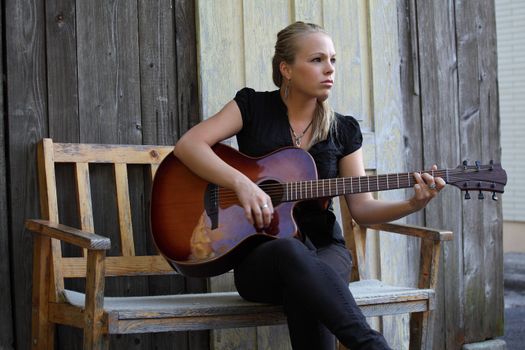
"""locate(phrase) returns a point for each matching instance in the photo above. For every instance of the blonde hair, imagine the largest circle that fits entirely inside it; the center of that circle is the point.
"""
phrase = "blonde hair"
(286, 48)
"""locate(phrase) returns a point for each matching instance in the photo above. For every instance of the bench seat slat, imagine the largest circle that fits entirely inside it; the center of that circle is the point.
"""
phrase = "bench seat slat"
(366, 293)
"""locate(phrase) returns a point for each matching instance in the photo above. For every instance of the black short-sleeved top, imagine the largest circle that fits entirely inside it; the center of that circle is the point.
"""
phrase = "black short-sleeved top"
(266, 128)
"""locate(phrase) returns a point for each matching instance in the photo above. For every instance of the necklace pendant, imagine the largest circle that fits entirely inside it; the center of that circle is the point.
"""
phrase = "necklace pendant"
(298, 142)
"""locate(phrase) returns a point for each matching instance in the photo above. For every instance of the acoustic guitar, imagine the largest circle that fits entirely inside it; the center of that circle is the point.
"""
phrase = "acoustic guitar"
(201, 230)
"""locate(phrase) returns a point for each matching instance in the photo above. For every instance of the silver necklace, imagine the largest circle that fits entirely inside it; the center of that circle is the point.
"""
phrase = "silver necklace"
(297, 138)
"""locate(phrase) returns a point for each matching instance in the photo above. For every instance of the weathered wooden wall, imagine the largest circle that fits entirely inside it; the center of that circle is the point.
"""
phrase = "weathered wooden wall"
(451, 113)
(100, 71)
(420, 76)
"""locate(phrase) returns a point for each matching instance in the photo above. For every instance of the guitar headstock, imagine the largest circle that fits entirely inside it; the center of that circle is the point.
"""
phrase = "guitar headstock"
(478, 177)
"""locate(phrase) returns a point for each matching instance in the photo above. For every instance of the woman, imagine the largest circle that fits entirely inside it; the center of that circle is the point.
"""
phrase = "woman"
(309, 278)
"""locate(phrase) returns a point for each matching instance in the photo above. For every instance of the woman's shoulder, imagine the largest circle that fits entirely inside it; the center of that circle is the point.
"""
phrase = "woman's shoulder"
(347, 133)
(346, 122)
(248, 92)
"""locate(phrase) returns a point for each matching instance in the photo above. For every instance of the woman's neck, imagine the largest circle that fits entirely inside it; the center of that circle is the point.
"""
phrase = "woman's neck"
(300, 110)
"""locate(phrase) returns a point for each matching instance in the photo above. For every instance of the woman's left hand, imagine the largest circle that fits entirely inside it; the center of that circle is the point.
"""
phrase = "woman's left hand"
(426, 188)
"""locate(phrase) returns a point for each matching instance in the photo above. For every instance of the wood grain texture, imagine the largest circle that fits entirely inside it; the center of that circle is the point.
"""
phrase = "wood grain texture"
(26, 93)
(388, 126)
(94, 307)
(479, 133)
(70, 235)
(127, 244)
(6, 316)
(109, 153)
(121, 266)
(95, 96)
(42, 332)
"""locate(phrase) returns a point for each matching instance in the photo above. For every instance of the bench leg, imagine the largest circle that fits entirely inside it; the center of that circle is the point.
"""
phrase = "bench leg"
(421, 331)
(95, 340)
(94, 336)
(42, 331)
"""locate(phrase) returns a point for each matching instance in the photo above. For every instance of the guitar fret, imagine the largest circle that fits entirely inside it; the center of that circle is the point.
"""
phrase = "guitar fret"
(398, 180)
(351, 185)
(368, 182)
(387, 185)
(377, 182)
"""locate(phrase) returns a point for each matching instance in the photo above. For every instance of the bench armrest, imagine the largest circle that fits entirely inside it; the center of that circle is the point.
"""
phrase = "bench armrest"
(69, 234)
(412, 230)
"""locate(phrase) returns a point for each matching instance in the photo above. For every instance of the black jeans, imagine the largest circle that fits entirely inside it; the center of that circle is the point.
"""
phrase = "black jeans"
(313, 287)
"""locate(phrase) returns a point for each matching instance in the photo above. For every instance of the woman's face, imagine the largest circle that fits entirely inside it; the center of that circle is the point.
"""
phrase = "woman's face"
(312, 72)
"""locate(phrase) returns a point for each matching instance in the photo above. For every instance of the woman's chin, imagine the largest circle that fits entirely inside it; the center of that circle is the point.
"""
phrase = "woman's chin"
(323, 97)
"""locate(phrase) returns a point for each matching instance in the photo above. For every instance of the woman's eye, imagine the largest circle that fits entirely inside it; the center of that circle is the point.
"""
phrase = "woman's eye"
(317, 59)
(333, 60)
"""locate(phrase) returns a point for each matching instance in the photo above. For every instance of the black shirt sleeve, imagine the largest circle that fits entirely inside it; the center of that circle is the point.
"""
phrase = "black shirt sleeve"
(244, 99)
(348, 135)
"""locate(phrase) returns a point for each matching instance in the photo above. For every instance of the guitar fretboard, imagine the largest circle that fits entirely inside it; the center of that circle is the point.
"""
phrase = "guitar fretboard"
(315, 189)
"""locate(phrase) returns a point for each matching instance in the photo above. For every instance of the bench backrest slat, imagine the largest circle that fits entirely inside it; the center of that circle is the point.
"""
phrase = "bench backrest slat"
(81, 156)
(124, 210)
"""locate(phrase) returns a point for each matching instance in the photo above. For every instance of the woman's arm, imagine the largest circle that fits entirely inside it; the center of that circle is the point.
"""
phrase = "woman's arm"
(194, 150)
(367, 210)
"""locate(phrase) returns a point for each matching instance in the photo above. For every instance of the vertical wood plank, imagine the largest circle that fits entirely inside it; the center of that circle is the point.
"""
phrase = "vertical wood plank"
(388, 126)
(158, 72)
(307, 11)
(343, 22)
(61, 49)
(413, 138)
(27, 122)
(479, 133)
(262, 20)
(6, 316)
(186, 54)
(108, 71)
(221, 51)
(439, 100)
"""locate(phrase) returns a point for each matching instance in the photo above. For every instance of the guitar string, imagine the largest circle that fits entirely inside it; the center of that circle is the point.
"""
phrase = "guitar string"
(302, 186)
(228, 196)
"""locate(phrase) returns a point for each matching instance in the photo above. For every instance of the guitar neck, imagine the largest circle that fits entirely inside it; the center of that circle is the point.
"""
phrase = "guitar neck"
(315, 189)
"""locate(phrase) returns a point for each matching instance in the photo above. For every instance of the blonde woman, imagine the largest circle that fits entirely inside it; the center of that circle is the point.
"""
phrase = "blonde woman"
(309, 277)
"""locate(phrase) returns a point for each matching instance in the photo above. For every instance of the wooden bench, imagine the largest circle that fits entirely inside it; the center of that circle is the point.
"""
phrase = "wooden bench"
(101, 316)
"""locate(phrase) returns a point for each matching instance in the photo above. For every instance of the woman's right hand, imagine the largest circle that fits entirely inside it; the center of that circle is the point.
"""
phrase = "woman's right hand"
(257, 205)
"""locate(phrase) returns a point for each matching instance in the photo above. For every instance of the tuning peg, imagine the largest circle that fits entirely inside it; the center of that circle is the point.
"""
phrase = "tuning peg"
(478, 165)
(491, 164)
(480, 195)
(467, 195)
(465, 164)
(494, 196)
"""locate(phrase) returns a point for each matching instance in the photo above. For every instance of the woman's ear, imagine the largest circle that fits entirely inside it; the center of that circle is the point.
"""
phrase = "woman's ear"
(286, 70)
